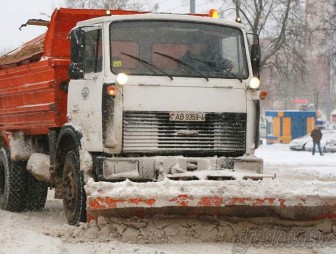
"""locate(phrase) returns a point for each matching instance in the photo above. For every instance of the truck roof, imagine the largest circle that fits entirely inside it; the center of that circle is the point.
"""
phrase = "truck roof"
(161, 16)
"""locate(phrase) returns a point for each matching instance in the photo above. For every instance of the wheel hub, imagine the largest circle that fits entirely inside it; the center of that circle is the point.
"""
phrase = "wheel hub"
(70, 192)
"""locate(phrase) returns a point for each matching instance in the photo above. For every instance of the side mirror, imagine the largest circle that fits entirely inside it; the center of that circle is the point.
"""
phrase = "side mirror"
(255, 59)
(77, 42)
(76, 70)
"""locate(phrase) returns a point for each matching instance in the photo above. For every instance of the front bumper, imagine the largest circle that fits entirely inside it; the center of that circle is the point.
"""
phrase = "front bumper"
(157, 167)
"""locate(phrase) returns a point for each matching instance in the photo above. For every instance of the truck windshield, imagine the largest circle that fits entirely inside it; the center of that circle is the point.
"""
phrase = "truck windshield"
(176, 48)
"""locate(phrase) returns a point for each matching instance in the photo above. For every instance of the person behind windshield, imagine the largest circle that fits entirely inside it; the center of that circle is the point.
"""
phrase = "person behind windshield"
(195, 50)
(200, 57)
(316, 135)
(195, 55)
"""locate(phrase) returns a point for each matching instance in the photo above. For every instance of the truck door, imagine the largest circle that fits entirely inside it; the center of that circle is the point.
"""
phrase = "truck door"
(84, 99)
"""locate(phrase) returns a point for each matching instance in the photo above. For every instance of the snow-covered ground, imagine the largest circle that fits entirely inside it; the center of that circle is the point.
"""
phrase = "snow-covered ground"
(279, 159)
(47, 231)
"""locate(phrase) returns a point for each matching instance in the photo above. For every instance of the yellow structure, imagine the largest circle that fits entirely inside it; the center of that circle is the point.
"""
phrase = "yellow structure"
(284, 125)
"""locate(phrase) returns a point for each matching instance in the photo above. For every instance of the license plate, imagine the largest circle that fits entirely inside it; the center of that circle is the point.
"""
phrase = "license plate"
(187, 116)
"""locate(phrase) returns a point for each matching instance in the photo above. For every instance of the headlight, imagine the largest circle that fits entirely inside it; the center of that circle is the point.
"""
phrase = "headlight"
(254, 83)
(122, 79)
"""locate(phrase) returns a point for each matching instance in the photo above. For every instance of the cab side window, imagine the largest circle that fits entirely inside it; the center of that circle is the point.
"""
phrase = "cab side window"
(93, 60)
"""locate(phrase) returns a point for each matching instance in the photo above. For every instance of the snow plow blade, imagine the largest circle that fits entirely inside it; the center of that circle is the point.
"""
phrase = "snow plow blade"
(244, 197)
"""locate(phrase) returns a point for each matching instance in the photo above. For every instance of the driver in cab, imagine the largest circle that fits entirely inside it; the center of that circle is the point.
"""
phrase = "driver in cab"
(199, 55)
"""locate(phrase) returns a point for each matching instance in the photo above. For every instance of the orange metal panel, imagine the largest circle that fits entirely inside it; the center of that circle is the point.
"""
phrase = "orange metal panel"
(272, 141)
(31, 99)
(63, 20)
(286, 123)
(285, 139)
(276, 126)
(280, 114)
(299, 208)
(286, 130)
(310, 124)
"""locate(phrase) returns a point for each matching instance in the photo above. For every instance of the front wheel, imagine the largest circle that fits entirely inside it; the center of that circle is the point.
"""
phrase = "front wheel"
(74, 198)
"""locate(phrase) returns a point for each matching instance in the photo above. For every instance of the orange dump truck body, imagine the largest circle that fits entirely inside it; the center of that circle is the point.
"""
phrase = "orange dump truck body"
(33, 77)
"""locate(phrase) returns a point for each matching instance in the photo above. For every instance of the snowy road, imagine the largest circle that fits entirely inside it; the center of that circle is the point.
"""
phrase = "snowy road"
(47, 231)
(297, 164)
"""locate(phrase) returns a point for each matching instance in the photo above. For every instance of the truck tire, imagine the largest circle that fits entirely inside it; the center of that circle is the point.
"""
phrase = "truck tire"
(74, 200)
(36, 193)
(12, 183)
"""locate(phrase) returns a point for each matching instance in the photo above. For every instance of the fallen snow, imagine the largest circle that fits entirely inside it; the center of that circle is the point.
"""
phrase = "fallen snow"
(280, 159)
(21, 147)
(38, 165)
(86, 164)
(47, 231)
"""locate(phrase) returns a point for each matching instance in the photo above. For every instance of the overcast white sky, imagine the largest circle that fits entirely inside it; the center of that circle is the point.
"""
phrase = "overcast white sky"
(14, 13)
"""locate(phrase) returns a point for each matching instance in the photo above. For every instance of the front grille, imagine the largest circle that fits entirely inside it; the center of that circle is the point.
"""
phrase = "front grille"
(153, 132)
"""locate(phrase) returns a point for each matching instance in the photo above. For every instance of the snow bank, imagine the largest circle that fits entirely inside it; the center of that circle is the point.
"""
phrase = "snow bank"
(38, 165)
(27, 241)
(262, 231)
(279, 159)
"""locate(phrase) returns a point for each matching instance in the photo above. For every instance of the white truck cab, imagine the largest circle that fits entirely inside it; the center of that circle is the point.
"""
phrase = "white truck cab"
(155, 93)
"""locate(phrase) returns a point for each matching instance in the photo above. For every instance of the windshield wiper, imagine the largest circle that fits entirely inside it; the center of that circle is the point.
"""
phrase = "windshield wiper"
(183, 64)
(148, 65)
(216, 68)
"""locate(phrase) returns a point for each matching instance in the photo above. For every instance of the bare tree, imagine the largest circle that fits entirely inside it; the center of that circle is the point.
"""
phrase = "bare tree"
(281, 27)
(331, 45)
(279, 23)
(320, 53)
(298, 39)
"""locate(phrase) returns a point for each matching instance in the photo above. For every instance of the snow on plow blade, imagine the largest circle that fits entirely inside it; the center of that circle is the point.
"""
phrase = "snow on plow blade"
(241, 198)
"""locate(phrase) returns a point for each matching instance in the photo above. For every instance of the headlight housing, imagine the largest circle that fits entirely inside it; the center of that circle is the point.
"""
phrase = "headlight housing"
(254, 83)
(122, 79)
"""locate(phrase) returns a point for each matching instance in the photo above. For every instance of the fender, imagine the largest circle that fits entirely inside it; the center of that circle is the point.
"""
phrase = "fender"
(70, 130)
(68, 139)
